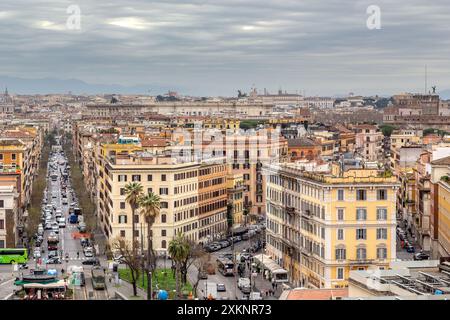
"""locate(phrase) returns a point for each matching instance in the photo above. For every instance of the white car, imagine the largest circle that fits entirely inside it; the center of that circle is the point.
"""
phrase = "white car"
(37, 253)
(62, 223)
(88, 253)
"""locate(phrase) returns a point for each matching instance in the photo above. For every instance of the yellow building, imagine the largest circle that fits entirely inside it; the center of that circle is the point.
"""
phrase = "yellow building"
(235, 190)
(444, 217)
(320, 226)
(221, 123)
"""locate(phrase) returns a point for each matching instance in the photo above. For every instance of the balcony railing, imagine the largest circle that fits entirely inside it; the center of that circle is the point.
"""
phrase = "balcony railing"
(361, 261)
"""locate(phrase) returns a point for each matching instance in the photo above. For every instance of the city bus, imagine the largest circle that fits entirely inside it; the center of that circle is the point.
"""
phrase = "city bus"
(15, 255)
(225, 266)
(98, 278)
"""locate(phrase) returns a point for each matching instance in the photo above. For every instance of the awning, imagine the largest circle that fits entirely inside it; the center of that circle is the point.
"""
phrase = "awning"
(59, 284)
(269, 264)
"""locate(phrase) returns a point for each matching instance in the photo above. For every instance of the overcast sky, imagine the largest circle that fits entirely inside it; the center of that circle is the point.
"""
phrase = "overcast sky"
(216, 47)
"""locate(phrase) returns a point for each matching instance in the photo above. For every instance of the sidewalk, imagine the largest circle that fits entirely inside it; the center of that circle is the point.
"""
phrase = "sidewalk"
(126, 289)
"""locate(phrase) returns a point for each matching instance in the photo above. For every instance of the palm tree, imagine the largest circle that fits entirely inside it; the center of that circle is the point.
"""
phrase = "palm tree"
(149, 204)
(178, 250)
(133, 190)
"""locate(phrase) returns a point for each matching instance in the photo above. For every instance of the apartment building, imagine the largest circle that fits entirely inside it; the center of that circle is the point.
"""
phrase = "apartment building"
(8, 215)
(369, 140)
(235, 191)
(193, 197)
(443, 223)
(321, 225)
(212, 202)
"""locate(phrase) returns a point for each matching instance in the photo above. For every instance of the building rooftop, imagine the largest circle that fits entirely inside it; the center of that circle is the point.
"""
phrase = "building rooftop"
(314, 294)
(301, 142)
(442, 161)
(405, 278)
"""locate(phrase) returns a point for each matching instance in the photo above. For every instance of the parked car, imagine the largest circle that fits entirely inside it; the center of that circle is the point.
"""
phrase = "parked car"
(410, 248)
(203, 275)
(224, 244)
(421, 256)
(221, 287)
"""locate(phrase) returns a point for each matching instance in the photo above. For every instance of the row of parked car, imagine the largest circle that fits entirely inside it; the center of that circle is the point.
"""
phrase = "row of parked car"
(405, 244)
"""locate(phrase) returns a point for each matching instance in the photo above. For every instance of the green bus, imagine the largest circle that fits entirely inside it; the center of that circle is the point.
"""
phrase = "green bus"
(98, 278)
(15, 255)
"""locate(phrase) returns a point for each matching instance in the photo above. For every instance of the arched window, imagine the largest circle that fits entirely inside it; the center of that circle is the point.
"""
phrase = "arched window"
(163, 244)
(163, 218)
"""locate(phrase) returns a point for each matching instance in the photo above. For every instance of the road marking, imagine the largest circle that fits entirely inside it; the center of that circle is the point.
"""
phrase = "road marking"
(8, 281)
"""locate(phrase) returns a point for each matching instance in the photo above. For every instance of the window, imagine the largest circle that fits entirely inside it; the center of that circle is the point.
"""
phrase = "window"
(13, 156)
(163, 233)
(340, 254)
(2, 203)
(340, 214)
(341, 195)
(164, 191)
(136, 177)
(361, 195)
(2, 224)
(136, 233)
(361, 214)
(246, 176)
(361, 234)
(361, 253)
(163, 218)
(122, 218)
(122, 178)
(381, 233)
(1, 156)
(340, 234)
(163, 205)
(149, 190)
(163, 177)
(2, 243)
(136, 218)
(163, 244)
(381, 214)
(381, 194)
(122, 205)
(381, 253)
(122, 191)
(149, 177)
(340, 273)
(122, 233)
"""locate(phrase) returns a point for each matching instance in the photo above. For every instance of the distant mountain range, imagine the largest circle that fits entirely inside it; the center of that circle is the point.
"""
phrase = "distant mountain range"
(54, 85)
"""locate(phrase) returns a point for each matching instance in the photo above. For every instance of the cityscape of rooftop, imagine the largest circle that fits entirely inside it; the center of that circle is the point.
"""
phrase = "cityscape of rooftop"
(237, 151)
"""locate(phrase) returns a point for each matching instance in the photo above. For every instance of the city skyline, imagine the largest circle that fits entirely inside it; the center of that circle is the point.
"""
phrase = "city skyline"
(205, 48)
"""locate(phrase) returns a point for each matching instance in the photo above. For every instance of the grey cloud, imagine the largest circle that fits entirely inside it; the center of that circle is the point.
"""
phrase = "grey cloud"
(215, 47)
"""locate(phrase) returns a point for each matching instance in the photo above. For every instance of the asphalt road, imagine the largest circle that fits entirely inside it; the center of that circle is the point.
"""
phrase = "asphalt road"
(232, 291)
(67, 245)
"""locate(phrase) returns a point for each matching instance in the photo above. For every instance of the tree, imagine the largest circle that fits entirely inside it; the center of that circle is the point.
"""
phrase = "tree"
(387, 130)
(178, 250)
(230, 207)
(194, 251)
(200, 261)
(150, 205)
(131, 260)
(133, 190)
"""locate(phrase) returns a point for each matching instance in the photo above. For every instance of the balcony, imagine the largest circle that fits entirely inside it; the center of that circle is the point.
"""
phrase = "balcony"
(306, 213)
(361, 262)
(290, 210)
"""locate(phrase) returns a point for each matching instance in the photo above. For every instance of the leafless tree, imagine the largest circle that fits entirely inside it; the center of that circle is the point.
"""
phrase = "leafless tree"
(132, 261)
